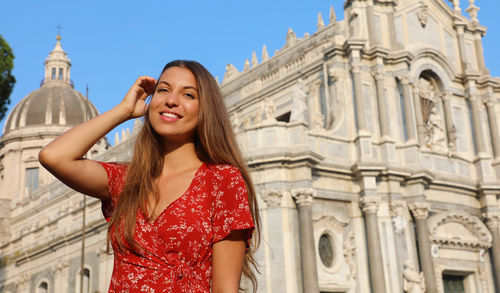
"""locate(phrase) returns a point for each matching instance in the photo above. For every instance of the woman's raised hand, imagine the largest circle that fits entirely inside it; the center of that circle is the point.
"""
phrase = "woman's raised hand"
(134, 103)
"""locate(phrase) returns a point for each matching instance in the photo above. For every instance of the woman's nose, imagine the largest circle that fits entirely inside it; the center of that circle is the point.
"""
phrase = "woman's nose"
(171, 100)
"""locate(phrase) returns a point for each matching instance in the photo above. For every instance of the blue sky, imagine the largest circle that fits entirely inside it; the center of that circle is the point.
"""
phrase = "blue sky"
(110, 43)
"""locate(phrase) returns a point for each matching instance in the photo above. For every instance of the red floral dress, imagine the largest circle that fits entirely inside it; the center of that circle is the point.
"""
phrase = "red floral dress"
(177, 254)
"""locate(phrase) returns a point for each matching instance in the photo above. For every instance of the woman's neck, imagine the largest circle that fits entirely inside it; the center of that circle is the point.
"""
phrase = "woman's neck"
(180, 157)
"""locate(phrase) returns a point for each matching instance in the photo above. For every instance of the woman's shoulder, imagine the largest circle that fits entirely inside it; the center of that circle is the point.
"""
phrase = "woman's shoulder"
(222, 171)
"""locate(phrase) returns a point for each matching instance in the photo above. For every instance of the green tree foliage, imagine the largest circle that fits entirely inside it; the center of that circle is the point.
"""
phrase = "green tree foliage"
(7, 80)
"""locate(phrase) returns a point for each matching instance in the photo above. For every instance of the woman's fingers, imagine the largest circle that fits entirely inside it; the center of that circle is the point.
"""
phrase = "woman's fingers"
(136, 96)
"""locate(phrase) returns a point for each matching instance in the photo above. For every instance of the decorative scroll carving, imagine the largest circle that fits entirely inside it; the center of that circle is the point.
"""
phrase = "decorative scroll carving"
(369, 204)
(350, 255)
(413, 281)
(420, 210)
(303, 196)
(272, 198)
(474, 234)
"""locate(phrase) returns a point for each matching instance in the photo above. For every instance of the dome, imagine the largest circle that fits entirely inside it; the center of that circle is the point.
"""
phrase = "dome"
(55, 103)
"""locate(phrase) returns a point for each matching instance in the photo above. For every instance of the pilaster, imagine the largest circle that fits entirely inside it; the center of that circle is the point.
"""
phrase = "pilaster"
(408, 108)
(493, 122)
(419, 120)
(450, 127)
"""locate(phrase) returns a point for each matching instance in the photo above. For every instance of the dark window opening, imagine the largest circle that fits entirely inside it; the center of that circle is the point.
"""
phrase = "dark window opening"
(284, 117)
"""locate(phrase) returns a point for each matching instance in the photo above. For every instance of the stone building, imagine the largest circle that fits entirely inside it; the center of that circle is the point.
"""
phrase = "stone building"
(374, 147)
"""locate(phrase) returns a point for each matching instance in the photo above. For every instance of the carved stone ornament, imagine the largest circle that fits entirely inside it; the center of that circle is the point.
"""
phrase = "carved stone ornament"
(434, 250)
(60, 265)
(230, 73)
(492, 220)
(272, 198)
(420, 210)
(399, 223)
(423, 14)
(22, 279)
(303, 196)
(369, 204)
(458, 229)
(235, 122)
(350, 255)
(398, 212)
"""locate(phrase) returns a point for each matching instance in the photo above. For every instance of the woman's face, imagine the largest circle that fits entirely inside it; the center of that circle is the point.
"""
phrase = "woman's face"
(173, 111)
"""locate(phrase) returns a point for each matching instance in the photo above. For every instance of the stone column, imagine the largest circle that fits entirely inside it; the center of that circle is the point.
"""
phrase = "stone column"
(493, 224)
(418, 116)
(420, 211)
(381, 102)
(303, 199)
(369, 205)
(410, 118)
(492, 119)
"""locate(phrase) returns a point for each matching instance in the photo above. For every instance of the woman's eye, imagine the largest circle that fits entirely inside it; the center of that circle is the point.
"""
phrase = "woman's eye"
(161, 90)
(190, 95)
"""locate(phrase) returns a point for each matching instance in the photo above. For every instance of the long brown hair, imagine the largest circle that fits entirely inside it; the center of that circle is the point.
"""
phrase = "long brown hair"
(215, 143)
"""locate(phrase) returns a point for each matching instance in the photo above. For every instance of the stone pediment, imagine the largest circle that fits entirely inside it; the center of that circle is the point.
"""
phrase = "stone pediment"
(460, 230)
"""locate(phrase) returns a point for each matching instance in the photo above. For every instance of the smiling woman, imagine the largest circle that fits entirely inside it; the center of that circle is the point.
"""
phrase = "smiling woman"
(182, 213)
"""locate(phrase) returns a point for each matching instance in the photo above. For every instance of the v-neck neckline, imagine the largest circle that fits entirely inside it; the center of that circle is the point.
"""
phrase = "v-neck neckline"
(196, 174)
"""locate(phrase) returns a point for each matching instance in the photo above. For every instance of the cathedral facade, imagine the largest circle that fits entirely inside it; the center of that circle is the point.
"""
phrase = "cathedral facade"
(374, 146)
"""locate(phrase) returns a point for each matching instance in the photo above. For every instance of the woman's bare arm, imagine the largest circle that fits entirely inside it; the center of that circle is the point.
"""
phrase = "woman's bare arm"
(227, 262)
(63, 157)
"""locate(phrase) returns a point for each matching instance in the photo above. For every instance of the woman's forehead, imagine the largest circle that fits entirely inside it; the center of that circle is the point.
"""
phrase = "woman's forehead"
(178, 76)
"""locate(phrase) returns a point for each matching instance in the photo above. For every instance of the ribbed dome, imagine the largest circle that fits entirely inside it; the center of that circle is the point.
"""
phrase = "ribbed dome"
(51, 105)
(56, 103)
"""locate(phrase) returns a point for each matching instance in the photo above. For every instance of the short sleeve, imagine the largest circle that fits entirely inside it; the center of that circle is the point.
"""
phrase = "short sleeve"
(116, 176)
(231, 207)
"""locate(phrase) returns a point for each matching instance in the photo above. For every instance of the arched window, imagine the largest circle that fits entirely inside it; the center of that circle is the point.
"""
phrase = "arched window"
(87, 285)
(53, 73)
(60, 73)
(43, 287)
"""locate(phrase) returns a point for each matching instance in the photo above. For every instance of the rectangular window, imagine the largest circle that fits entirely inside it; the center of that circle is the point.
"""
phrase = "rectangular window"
(60, 73)
(53, 73)
(453, 284)
(31, 179)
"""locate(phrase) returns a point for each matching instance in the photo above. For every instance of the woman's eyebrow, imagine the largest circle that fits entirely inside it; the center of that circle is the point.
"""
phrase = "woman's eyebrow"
(186, 87)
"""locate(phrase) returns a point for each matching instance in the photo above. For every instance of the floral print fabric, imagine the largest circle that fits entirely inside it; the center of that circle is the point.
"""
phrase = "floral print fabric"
(177, 246)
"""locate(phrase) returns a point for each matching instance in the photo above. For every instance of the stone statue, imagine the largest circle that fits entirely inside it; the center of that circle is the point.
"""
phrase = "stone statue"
(413, 281)
(435, 133)
(299, 102)
(269, 110)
